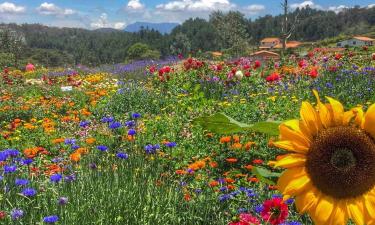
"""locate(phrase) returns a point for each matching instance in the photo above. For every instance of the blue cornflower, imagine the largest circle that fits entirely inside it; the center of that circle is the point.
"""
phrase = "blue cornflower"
(75, 147)
(16, 214)
(22, 182)
(258, 208)
(69, 141)
(107, 119)
(10, 168)
(51, 219)
(70, 178)
(289, 201)
(198, 191)
(114, 125)
(225, 197)
(151, 149)
(132, 132)
(102, 148)
(26, 161)
(130, 124)
(122, 155)
(235, 193)
(57, 160)
(171, 144)
(277, 196)
(12, 152)
(224, 188)
(242, 210)
(292, 223)
(62, 201)
(84, 124)
(55, 178)
(136, 115)
(29, 192)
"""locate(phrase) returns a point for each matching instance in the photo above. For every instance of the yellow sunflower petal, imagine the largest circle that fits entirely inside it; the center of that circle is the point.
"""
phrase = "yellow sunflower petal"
(369, 121)
(370, 206)
(288, 134)
(359, 116)
(291, 146)
(291, 160)
(337, 111)
(294, 181)
(339, 214)
(323, 211)
(355, 209)
(324, 114)
(310, 118)
(347, 117)
(307, 200)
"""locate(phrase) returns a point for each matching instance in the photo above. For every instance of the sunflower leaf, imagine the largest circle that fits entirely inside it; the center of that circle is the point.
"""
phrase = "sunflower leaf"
(222, 124)
(263, 175)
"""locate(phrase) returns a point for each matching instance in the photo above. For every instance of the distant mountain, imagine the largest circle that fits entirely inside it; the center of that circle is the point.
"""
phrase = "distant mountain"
(164, 28)
(107, 30)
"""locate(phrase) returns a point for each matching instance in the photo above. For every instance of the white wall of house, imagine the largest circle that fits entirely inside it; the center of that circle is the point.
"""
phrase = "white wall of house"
(354, 43)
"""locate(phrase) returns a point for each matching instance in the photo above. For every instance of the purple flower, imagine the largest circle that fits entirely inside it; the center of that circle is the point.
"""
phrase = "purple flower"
(114, 125)
(107, 119)
(132, 132)
(136, 115)
(26, 161)
(29, 192)
(151, 149)
(70, 141)
(102, 148)
(16, 214)
(84, 124)
(70, 178)
(122, 155)
(62, 201)
(171, 144)
(51, 219)
(55, 178)
(130, 124)
(21, 182)
(10, 168)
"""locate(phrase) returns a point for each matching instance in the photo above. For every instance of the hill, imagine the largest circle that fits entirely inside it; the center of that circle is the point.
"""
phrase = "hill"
(164, 28)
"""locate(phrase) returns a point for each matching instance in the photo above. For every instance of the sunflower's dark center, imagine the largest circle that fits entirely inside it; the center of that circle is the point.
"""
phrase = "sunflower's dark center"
(343, 159)
(341, 162)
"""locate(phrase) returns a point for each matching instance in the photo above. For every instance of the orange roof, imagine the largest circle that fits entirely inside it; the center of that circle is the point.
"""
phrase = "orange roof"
(216, 53)
(363, 38)
(290, 44)
(265, 52)
(270, 39)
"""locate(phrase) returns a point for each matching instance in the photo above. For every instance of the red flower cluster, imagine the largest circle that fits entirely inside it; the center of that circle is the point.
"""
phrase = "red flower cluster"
(313, 73)
(273, 77)
(275, 211)
(164, 73)
(192, 63)
(257, 64)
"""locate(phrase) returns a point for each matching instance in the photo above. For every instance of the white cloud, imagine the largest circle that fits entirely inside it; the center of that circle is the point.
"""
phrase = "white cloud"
(51, 9)
(338, 9)
(371, 6)
(304, 4)
(196, 5)
(103, 22)
(254, 9)
(135, 5)
(11, 8)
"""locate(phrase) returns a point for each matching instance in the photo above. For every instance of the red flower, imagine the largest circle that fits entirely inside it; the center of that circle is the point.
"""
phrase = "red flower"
(257, 161)
(257, 64)
(301, 63)
(2, 215)
(180, 56)
(246, 219)
(373, 56)
(314, 73)
(219, 67)
(273, 77)
(338, 56)
(152, 69)
(275, 211)
(246, 67)
(247, 74)
(365, 48)
(6, 70)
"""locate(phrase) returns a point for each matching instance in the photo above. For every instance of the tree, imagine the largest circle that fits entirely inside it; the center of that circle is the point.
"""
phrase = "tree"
(142, 51)
(12, 42)
(287, 29)
(180, 44)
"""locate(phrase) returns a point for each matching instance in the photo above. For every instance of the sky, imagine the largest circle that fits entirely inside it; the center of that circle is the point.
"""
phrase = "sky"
(94, 14)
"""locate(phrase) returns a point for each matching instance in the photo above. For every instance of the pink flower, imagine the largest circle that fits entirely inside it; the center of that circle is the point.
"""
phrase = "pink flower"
(275, 211)
(246, 219)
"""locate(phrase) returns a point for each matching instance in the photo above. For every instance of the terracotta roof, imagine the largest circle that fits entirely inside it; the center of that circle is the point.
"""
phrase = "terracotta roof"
(290, 44)
(217, 54)
(270, 39)
(363, 38)
(266, 52)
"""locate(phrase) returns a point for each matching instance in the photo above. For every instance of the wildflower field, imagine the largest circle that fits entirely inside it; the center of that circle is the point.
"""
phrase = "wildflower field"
(191, 141)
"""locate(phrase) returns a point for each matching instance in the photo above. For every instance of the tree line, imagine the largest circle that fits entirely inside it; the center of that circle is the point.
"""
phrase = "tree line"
(230, 32)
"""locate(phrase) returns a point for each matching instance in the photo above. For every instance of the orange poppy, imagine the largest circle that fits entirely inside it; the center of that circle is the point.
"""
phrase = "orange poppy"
(231, 160)
(213, 183)
(226, 139)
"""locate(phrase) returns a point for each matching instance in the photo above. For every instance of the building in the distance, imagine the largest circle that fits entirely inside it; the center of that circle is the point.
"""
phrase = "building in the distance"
(357, 41)
(275, 43)
(265, 55)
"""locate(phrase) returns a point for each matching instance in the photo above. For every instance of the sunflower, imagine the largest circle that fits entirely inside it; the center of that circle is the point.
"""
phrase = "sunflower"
(331, 164)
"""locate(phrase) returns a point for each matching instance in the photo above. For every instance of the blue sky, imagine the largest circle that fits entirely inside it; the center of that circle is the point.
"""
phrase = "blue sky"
(93, 14)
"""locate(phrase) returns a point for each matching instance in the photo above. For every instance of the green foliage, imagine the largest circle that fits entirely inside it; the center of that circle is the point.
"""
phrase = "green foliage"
(222, 124)
(142, 51)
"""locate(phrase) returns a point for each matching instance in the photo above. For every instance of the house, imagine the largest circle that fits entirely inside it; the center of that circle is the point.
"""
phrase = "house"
(276, 43)
(357, 41)
(269, 43)
(265, 55)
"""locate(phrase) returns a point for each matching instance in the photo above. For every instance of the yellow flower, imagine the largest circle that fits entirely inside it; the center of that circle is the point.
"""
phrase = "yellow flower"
(331, 164)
